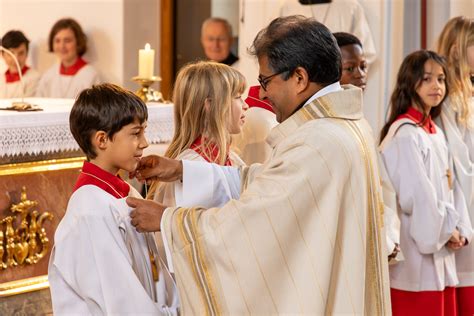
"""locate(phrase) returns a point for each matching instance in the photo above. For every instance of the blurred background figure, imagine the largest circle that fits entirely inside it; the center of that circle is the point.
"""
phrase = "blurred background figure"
(72, 74)
(10, 85)
(216, 40)
(354, 63)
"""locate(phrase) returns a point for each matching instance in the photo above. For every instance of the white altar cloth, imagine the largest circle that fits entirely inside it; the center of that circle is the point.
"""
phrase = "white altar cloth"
(48, 131)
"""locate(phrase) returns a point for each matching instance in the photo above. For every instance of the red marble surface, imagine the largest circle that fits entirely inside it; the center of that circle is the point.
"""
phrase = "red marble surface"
(51, 189)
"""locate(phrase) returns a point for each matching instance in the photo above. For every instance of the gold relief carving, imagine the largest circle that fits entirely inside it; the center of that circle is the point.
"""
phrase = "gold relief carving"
(21, 245)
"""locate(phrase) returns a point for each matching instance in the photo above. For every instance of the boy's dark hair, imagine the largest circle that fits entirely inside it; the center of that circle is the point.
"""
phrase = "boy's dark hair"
(296, 41)
(14, 39)
(68, 23)
(104, 107)
(344, 39)
(409, 78)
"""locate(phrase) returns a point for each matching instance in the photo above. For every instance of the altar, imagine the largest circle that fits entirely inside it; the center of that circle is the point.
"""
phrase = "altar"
(39, 163)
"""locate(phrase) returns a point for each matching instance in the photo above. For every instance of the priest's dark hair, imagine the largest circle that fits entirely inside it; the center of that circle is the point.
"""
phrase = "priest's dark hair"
(104, 107)
(344, 39)
(296, 41)
(409, 78)
(68, 23)
(13, 39)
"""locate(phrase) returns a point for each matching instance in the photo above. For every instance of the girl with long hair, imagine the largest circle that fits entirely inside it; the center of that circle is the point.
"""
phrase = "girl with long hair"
(432, 209)
(208, 109)
(456, 44)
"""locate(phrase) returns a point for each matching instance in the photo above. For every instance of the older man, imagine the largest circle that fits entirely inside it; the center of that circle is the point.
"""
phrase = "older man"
(305, 236)
(216, 40)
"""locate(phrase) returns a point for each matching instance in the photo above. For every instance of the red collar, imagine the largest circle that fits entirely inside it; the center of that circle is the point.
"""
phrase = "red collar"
(254, 101)
(417, 117)
(9, 77)
(72, 70)
(94, 175)
(210, 152)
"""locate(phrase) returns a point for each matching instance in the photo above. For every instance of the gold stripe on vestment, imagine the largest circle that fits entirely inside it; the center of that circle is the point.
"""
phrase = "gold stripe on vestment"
(374, 212)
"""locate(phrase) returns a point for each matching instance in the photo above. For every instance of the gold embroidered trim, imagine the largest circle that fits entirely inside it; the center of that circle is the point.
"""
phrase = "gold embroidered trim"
(187, 226)
(375, 208)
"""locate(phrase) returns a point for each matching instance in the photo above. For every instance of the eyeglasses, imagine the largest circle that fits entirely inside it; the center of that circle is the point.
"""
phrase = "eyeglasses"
(264, 81)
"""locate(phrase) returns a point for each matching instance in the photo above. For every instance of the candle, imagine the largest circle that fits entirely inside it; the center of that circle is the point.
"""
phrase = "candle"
(146, 62)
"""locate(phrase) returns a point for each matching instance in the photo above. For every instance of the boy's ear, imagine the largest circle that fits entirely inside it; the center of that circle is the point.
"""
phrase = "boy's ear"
(100, 140)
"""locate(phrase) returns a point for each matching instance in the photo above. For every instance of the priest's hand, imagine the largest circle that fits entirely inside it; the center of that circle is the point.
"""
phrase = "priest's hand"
(146, 216)
(159, 168)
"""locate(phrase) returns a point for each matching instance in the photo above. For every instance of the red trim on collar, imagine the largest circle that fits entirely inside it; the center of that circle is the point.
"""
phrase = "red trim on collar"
(417, 117)
(209, 153)
(14, 77)
(254, 101)
(74, 69)
(110, 183)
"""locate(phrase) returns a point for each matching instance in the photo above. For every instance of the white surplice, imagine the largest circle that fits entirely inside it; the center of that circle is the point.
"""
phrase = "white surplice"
(55, 85)
(417, 163)
(338, 16)
(305, 235)
(171, 194)
(13, 89)
(100, 265)
(461, 145)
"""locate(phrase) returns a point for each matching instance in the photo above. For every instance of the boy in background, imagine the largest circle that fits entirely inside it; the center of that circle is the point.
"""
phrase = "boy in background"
(354, 63)
(10, 84)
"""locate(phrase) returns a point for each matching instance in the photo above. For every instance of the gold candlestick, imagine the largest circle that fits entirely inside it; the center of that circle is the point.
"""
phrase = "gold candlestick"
(146, 93)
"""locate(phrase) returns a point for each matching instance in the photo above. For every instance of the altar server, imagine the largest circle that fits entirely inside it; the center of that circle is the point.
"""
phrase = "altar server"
(434, 219)
(72, 73)
(208, 109)
(456, 43)
(99, 264)
(10, 84)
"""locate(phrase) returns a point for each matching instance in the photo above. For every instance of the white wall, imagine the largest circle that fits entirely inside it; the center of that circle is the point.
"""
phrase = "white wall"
(229, 10)
(439, 12)
(116, 29)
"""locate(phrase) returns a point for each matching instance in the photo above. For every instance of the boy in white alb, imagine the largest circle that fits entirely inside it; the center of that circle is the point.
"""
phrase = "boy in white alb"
(10, 84)
(100, 265)
(72, 74)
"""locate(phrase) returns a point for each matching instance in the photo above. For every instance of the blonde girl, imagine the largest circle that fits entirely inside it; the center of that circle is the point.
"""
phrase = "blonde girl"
(456, 44)
(208, 109)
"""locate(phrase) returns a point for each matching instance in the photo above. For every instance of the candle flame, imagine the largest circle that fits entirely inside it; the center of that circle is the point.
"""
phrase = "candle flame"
(147, 46)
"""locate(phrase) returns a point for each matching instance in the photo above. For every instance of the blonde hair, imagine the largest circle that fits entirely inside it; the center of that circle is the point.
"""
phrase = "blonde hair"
(202, 98)
(456, 37)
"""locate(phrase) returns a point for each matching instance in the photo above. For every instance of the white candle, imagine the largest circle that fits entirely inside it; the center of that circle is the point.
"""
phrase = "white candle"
(146, 62)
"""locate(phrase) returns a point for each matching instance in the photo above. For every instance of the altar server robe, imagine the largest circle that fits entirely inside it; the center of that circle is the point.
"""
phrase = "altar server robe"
(10, 90)
(55, 85)
(111, 274)
(461, 145)
(417, 163)
(304, 237)
(171, 193)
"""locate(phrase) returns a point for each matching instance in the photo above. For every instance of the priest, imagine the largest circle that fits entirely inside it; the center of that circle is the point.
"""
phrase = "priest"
(306, 235)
